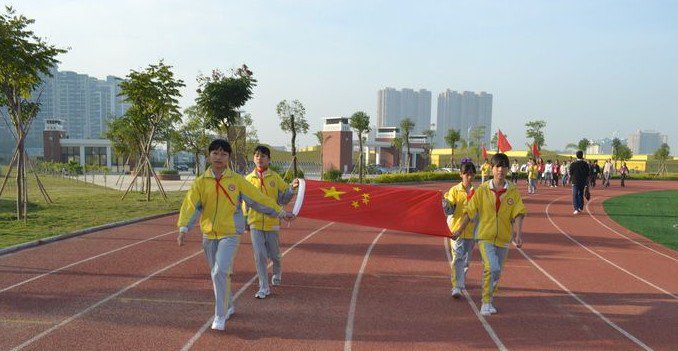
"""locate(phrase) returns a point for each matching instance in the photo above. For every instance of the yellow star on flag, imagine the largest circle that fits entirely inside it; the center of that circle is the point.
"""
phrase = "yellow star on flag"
(355, 204)
(357, 189)
(333, 193)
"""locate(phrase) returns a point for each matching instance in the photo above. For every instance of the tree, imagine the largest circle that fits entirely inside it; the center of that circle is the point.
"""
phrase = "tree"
(662, 154)
(494, 141)
(475, 139)
(430, 134)
(571, 146)
(622, 153)
(23, 59)
(397, 144)
(152, 94)
(406, 126)
(292, 120)
(125, 140)
(221, 96)
(583, 144)
(360, 121)
(321, 140)
(451, 140)
(616, 144)
(535, 132)
(193, 137)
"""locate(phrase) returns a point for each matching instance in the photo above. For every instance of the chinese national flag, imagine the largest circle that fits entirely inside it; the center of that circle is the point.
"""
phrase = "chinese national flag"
(484, 152)
(502, 143)
(535, 151)
(403, 209)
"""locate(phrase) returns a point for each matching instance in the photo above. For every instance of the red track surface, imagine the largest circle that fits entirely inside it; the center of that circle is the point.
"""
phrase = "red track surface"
(580, 282)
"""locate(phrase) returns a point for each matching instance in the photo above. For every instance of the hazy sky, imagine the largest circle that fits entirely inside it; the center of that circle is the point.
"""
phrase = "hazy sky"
(589, 68)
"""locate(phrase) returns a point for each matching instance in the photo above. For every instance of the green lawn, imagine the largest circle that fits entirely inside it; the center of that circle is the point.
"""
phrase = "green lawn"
(653, 214)
(77, 205)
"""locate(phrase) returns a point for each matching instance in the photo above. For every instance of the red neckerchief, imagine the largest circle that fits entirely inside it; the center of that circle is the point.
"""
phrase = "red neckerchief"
(219, 186)
(470, 193)
(260, 173)
(497, 195)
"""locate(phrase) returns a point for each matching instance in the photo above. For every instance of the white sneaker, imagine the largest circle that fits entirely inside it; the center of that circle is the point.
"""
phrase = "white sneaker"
(230, 312)
(456, 292)
(487, 309)
(219, 323)
(575, 212)
(276, 280)
(261, 294)
(493, 310)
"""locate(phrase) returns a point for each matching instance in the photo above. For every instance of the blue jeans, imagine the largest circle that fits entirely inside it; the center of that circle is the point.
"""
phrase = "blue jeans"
(578, 197)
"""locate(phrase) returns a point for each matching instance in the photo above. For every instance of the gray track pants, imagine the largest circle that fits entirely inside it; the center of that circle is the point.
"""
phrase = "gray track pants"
(220, 254)
(266, 245)
(461, 256)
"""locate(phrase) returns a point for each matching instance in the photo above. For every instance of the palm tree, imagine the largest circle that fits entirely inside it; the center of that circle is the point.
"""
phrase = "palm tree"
(406, 126)
(451, 140)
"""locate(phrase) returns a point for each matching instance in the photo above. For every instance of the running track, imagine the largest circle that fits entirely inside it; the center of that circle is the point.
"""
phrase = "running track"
(579, 283)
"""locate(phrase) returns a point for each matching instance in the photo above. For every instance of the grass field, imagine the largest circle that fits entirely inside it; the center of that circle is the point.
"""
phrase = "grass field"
(77, 205)
(653, 214)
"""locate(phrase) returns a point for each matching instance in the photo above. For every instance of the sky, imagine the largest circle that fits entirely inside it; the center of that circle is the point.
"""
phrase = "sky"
(591, 69)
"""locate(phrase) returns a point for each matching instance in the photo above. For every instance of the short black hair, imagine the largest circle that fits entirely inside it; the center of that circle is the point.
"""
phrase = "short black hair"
(262, 150)
(580, 154)
(222, 144)
(500, 159)
(467, 167)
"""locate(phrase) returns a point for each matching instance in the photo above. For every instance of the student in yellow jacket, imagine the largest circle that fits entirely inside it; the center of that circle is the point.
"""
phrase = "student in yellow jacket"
(499, 206)
(217, 197)
(454, 203)
(485, 170)
(532, 173)
(264, 228)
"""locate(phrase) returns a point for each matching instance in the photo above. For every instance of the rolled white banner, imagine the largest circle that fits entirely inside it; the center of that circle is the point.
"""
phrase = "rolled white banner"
(300, 197)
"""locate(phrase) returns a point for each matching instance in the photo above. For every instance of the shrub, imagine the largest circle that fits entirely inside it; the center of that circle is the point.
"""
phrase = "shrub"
(289, 175)
(168, 171)
(333, 175)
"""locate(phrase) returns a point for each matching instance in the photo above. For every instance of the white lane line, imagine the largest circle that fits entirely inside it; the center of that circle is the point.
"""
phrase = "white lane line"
(101, 302)
(203, 329)
(354, 295)
(589, 307)
(598, 255)
(83, 261)
(624, 236)
(482, 319)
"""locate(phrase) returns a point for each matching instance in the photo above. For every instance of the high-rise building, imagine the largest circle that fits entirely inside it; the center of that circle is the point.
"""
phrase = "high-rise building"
(645, 142)
(83, 103)
(393, 106)
(463, 112)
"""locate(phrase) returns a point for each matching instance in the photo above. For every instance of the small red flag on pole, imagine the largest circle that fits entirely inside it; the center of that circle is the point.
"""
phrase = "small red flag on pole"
(502, 143)
(411, 210)
(484, 152)
(535, 151)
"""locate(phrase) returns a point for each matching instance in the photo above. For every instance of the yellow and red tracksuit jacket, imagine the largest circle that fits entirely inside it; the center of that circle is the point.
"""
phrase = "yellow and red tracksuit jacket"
(457, 198)
(219, 204)
(495, 215)
(274, 187)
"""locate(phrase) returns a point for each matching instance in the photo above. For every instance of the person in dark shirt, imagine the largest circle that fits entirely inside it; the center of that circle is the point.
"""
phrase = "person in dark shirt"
(595, 171)
(579, 177)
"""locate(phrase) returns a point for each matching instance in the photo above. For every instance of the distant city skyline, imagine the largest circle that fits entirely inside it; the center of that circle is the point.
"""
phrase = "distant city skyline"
(393, 106)
(587, 68)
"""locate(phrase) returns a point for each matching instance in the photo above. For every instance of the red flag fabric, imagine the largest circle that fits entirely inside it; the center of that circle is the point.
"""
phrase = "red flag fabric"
(484, 152)
(397, 208)
(535, 151)
(502, 143)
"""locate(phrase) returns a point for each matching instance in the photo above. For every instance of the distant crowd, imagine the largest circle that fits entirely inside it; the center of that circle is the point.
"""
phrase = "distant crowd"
(556, 173)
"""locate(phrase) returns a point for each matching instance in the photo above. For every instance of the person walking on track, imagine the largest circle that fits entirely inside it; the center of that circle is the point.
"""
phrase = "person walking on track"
(454, 202)
(500, 210)
(264, 229)
(217, 195)
(579, 177)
